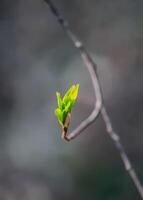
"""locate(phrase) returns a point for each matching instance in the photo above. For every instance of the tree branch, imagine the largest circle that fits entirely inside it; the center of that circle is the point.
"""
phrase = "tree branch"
(91, 66)
(99, 106)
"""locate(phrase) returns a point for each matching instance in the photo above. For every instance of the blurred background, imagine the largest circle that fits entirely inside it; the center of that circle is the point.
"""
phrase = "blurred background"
(36, 60)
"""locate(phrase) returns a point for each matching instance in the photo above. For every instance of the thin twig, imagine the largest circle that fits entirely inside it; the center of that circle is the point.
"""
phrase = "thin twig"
(91, 66)
(116, 139)
(99, 105)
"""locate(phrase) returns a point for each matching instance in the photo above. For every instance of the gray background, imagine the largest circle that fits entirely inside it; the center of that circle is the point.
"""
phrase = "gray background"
(36, 60)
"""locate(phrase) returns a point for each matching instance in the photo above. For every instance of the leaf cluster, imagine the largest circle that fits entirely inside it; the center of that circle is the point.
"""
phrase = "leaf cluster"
(66, 103)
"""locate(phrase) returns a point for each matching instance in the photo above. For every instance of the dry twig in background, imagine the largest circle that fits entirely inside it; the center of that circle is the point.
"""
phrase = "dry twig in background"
(99, 105)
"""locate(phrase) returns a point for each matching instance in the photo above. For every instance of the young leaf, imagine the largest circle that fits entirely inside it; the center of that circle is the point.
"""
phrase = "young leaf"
(59, 100)
(65, 105)
(59, 115)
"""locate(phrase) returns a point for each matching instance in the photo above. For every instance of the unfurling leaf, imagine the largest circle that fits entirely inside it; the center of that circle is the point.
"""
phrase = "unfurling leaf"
(66, 103)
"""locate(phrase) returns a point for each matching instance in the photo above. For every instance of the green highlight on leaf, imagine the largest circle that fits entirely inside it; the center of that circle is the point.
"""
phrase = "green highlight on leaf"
(66, 103)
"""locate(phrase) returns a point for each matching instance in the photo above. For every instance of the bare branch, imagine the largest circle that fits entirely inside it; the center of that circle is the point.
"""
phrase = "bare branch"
(127, 163)
(99, 105)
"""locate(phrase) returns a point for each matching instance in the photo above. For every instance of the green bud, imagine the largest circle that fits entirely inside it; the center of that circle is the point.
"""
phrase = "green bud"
(66, 103)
